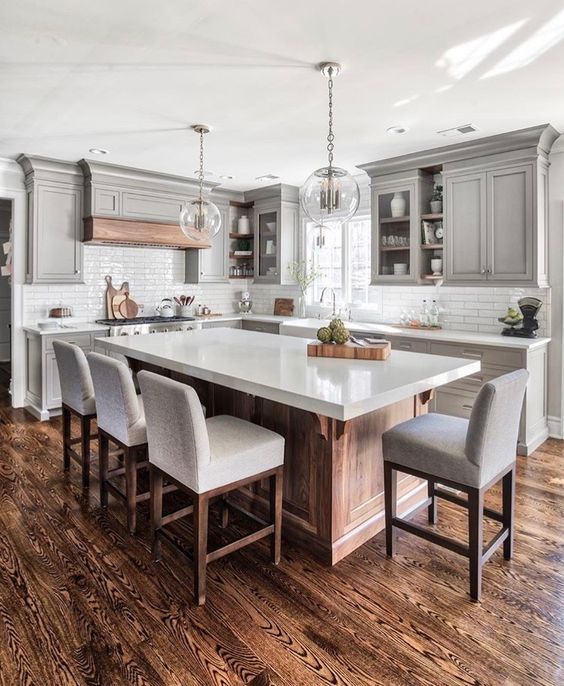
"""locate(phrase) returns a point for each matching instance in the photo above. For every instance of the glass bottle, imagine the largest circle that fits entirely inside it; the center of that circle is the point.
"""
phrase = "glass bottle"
(424, 318)
(434, 314)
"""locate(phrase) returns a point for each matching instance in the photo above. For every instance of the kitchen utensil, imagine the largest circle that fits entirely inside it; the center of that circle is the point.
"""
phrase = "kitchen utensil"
(128, 308)
(350, 350)
(111, 291)
(284, 307)
(179, 301)
(165, 309)
(117, 301)
(529, 306)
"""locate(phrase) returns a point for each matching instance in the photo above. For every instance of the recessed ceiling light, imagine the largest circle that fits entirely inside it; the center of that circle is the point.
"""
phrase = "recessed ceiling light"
(267, 177)
(225, 176)
(98, 151)
(458, 130)
(393, 130)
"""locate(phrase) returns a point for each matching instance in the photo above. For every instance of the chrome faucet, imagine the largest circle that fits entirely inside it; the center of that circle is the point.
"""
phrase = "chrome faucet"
(334, 313)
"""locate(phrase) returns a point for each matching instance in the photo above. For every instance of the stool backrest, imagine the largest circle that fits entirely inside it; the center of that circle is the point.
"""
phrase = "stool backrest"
(176, 428)
(491, 441)
(75, 377)
(117, 405)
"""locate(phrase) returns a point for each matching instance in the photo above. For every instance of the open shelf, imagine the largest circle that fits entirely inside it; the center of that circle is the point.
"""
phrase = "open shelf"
(432, 216)
(432, 246)
(394, 220)
(233, 256)
(242, 236)
(249, 276)
(392, 248)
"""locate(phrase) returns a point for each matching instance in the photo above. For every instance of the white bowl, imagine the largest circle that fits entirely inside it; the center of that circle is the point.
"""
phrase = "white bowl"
(48, 325)
(271, 226)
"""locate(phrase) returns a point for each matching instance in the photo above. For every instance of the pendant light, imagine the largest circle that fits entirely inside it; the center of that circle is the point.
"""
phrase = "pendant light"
(330, 193)
(200, 219)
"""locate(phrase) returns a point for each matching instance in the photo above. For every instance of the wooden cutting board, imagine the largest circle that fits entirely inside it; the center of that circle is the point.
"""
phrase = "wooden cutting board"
(351, 351)
(284, 307)
(128, 308)
(117, 302)
(111, 291)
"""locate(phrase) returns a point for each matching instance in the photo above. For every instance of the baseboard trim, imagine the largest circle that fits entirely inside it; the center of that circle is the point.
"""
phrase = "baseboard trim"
(555, 427)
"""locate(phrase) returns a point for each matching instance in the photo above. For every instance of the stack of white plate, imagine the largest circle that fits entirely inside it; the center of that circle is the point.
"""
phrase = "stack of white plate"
(400, 269)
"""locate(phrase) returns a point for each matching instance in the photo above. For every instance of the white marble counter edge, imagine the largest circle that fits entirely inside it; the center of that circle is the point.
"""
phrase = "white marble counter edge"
(322, 407)
(70, 330)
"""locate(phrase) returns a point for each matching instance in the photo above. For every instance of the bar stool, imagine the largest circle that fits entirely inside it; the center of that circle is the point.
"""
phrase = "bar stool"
(206, 458)
(466, 455)
(121, 419)
(78, 399)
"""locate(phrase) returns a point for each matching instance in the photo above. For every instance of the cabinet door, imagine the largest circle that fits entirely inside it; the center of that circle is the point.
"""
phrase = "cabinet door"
(57, 235)
(465, 227)
(267, 238)
(510, 224)
(53, 397)
(287, 241)
(210, 265)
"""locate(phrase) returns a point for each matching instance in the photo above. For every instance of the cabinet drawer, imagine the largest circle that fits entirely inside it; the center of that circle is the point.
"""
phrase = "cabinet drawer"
(487, 356)
(222, 325)
(83, 340)
(455, 404)
(263, 327)
(473, 383)
(410, 345)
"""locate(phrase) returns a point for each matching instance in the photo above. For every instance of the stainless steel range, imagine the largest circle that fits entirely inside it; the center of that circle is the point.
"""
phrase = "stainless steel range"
(144, 325)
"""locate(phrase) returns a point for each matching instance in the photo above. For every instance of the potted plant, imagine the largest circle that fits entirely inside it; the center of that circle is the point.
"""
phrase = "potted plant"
(304, 273)
(437, 199)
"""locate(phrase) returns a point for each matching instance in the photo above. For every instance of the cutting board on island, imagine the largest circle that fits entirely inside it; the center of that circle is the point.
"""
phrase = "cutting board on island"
(284, 307)
(350, 351)
(111, 292)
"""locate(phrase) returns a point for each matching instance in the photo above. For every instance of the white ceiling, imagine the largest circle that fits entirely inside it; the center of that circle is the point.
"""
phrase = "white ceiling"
(131, 75)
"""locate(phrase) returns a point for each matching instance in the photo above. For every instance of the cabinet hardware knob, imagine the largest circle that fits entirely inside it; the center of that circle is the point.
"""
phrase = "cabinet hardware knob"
(483, 270)
(77, 271)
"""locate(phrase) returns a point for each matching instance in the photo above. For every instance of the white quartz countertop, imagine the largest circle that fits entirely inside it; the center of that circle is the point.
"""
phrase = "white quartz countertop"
(236, 316)
(278, 368)
(70, 328)
(308, 328)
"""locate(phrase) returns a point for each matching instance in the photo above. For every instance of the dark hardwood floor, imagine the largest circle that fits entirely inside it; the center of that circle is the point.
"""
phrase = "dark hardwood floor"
(81, 602)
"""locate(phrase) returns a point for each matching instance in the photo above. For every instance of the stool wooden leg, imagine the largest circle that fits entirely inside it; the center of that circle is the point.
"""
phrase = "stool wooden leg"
(475, 540)
(66, 438)
(131, 487)
(85, 450)
(390, 504)
(103, 451)
(432, 509)
(156, 479)
(224, 512)
(276, 490)
(201, 503)
(508, 509)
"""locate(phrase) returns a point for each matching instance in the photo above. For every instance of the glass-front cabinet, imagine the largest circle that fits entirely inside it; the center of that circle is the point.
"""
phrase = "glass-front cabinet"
(394, 239)
(267, 244)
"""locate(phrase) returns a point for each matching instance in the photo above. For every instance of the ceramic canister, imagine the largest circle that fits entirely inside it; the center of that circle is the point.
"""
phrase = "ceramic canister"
(243, 224)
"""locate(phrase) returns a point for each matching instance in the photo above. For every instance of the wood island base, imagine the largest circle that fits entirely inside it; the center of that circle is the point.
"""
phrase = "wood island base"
(333, 470)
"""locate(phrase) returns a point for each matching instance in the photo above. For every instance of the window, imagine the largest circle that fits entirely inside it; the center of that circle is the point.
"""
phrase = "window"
(344, 261)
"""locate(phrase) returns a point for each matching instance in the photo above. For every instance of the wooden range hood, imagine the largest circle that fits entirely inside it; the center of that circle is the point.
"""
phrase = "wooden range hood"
(136, 232)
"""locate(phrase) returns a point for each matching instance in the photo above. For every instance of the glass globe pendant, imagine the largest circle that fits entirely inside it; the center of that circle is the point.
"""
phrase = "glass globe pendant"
(200, 220)
(330, 194)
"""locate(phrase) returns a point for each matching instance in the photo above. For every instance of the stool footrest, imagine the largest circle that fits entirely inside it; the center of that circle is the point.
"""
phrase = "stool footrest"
(431, 536)
(457, 500)
(240, 543)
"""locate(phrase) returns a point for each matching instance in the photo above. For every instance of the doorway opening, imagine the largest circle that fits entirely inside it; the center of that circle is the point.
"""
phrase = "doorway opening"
(6, 224)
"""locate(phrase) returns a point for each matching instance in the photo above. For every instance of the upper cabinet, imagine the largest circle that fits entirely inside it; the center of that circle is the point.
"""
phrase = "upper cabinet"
(211, 265)
(275, 222)
(494, 216)
(54, 219)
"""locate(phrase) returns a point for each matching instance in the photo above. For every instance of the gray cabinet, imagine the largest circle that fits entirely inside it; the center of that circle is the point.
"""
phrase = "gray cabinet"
(262, 327)
(465, 227)
(54, 217)
(211, 265)
(43, 388)
(490, 228)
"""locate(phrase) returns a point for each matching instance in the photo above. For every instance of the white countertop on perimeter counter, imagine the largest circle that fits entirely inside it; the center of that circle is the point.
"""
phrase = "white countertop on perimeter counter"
(69, 328)
(278, 368)
(308, 328)
(237, 316)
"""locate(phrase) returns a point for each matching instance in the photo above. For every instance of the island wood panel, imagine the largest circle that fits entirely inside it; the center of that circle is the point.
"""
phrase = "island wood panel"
(333, 498)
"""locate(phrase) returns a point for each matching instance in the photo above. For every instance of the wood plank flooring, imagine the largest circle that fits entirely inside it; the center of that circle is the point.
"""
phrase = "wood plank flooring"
(82, 603)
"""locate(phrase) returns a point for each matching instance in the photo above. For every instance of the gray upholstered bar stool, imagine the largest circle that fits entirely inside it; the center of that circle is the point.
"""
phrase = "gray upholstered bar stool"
(121, 420)
(206, 458)
(78, 399)
(467, 455)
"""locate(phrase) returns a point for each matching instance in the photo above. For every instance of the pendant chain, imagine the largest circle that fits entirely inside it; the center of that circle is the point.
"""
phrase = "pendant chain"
(201, 173)
(330, 135)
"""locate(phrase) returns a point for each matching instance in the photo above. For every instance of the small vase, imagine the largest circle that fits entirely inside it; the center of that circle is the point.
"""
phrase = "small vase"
(436, 206)
(243, 225)
(302, 307)
(398, 205)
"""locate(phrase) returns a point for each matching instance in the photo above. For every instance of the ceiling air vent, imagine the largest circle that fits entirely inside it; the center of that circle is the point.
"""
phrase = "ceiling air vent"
(458, 130)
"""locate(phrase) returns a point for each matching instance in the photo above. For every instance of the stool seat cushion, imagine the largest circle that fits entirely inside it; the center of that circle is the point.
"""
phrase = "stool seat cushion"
(238, 449)
(434, 444)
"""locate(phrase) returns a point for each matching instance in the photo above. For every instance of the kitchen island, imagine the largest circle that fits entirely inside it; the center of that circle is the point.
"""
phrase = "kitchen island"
(332, 413)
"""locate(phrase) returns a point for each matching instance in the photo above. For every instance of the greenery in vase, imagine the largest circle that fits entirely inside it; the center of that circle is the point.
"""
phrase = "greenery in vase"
(243, 245)
(437, 192)
(304, 273)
